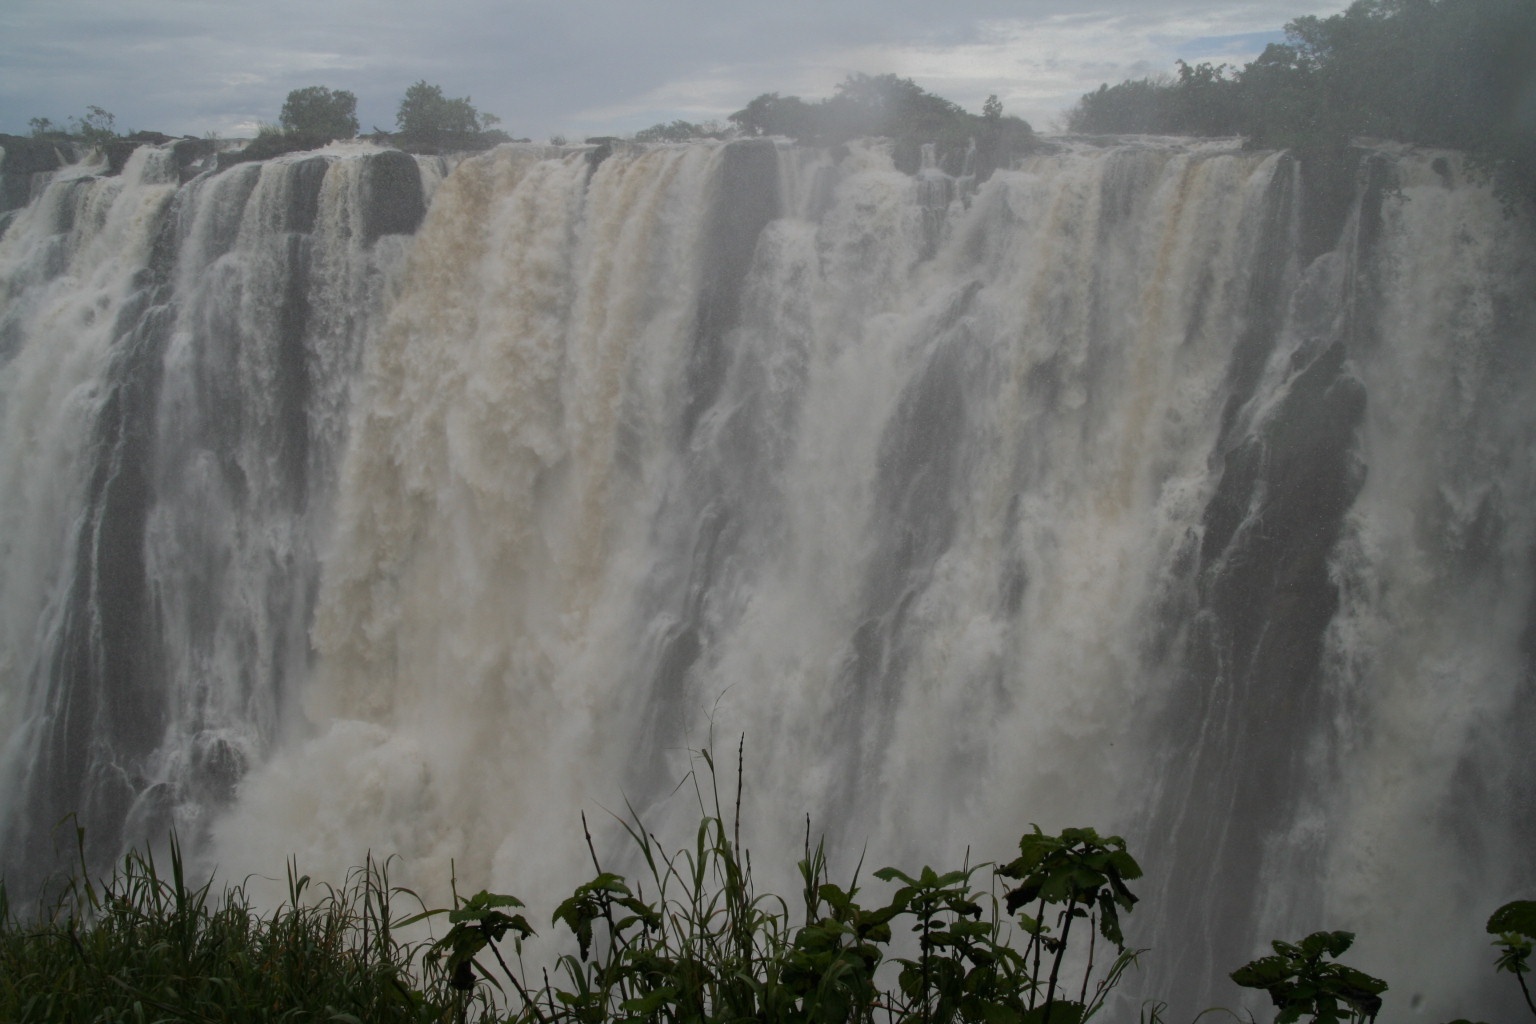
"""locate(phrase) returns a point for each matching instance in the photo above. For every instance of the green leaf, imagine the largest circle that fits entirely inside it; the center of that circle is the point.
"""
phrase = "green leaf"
(1333, 943)
(1518, 916)
(997, 1013)
(1261, 973)
(1124, 865)
(650, 1002)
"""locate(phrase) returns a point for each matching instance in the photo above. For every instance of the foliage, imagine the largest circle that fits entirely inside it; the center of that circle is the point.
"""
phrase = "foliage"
(1299, 981)
(271, 141)
(425, 110)
(680, 131)
(428, 119)
(1453, 73)
(316, 110)
(1083, 875)
(693, 941)
(1514, 928)
(895, 108)
(141, 945)
(771, 114)
(96, 128)
(707, 947)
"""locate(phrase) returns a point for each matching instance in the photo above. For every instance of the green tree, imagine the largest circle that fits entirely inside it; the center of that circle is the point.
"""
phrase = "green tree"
(425, 113)
(1454, 73)
(1143, 105)
(317, 110)
(897, 109)
(772, 114)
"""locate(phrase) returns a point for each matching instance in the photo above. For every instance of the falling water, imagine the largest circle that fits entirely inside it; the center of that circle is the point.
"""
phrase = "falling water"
(1138, 486)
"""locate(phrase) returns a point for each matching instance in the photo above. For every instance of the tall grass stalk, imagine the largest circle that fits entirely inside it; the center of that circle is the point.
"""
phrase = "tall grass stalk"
(143, 946)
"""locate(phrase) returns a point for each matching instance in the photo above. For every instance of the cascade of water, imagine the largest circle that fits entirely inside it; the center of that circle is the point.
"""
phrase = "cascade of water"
(1100, 493)
(179, 363)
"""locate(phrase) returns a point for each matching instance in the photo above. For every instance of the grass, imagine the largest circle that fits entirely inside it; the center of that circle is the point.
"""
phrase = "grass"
(142, 945)
(690, 941)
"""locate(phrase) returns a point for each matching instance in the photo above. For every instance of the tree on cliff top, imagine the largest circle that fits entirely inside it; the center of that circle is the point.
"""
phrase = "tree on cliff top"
(425, 112)
(316, 110)
(897, 109)
(1454, 73)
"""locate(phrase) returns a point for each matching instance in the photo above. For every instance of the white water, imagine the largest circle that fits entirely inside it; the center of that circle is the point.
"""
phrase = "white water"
(607, 466)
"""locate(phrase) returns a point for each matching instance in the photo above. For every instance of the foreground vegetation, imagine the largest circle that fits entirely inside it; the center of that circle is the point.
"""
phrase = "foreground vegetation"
(1036, 940)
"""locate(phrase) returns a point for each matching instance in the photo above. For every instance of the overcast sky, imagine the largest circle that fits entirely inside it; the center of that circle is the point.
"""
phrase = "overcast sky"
(585, 67)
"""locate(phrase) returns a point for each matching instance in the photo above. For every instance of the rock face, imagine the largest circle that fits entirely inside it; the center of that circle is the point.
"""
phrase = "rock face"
(192, 155)
(394, 183)
(25, 161)
(21, 158)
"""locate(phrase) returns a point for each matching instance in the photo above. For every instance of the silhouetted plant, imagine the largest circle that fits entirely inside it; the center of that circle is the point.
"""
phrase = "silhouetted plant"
(1085, 877)
(1514, 925)
(140, 945)
(692, 941)
(1299, 980)
(707, 947)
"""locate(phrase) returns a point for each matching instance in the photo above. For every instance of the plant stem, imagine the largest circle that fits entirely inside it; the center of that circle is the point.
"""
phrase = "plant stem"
(1061, 951)
(1036, 941)
(521, 991)
(1520, 977)
(1093, 935)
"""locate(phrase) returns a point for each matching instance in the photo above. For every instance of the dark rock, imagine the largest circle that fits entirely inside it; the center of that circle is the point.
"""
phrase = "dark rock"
(395, 205)
(25, 157)
(194, 156)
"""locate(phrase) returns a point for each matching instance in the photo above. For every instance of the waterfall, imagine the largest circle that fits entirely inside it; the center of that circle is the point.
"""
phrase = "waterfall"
(353, 501)
(177, 366)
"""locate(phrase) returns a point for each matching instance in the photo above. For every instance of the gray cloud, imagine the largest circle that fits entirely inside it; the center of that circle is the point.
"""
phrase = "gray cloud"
(585, 66)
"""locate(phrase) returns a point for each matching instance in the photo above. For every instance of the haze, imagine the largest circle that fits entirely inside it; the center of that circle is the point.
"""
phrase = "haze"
(583, 67)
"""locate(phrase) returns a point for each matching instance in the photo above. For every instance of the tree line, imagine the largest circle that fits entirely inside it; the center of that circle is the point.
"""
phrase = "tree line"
(861, 106)
(1454, 73)
(426, 120)
(315, 115)
(898, 109)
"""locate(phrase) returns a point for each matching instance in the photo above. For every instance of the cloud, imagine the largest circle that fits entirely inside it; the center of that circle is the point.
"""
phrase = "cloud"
(586, 66)
(1037, 66)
